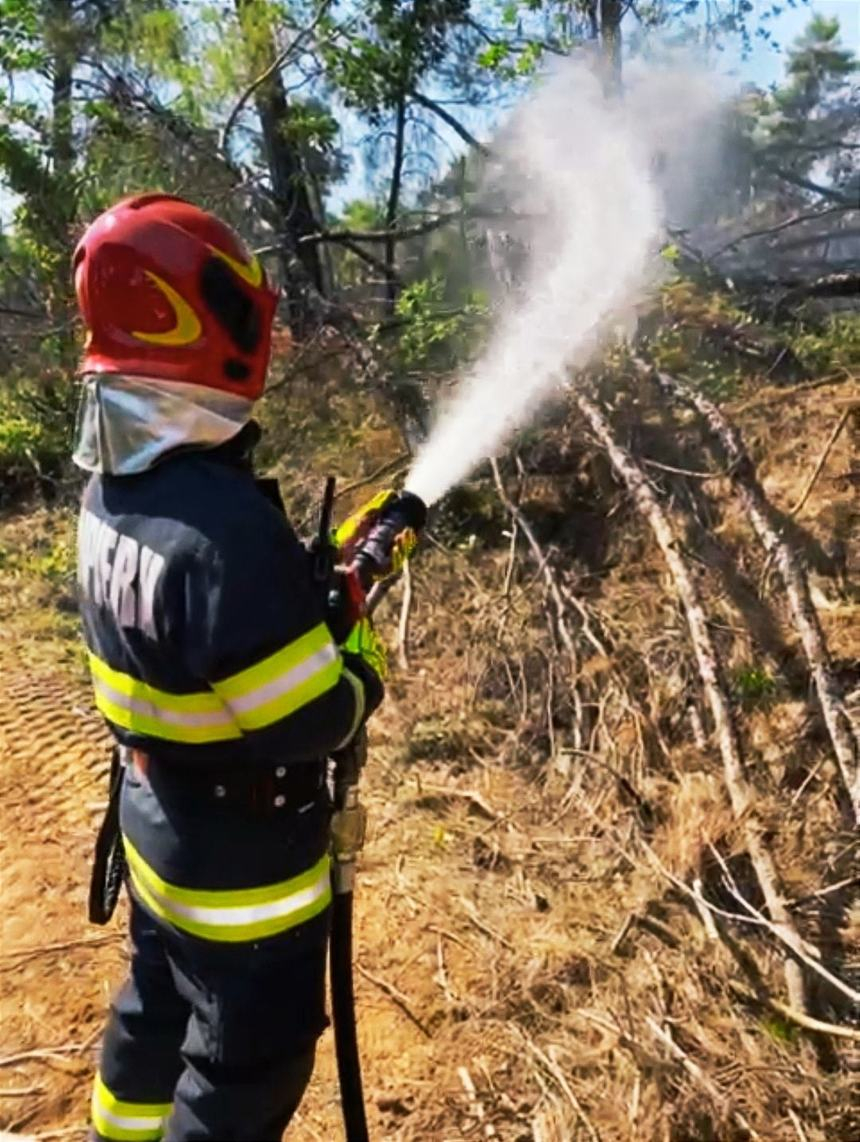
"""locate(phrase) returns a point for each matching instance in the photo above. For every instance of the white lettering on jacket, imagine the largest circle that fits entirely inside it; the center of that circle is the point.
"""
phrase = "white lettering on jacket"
(117, 572)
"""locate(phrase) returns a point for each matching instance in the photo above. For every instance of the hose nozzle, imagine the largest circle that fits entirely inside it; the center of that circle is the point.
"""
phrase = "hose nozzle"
(390, 538)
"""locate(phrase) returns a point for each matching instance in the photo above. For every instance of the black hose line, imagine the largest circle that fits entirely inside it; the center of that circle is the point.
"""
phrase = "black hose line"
(343, 1012)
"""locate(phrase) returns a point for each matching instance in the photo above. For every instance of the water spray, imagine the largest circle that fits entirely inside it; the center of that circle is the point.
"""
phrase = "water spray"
(593, 181)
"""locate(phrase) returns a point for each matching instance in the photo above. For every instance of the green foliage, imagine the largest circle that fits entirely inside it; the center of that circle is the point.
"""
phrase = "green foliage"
(678, 337)
(811, 120)
(753, 685)
(780, 1030)
(19, 43)
(833, 347)
(436, 336)
(393, 47)
(34, 440)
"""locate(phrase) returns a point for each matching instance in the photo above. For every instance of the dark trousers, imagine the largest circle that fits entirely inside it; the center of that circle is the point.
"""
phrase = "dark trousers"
(210, 1041)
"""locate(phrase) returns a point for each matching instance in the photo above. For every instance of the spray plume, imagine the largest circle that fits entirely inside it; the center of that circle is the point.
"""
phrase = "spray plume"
(598, 178)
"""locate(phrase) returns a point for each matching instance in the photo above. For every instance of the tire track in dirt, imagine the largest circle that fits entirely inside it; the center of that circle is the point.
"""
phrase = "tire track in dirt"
(53, 969)
(57, 972)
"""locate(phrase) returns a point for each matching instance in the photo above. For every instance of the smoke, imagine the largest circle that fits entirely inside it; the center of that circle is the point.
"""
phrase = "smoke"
(599, 179)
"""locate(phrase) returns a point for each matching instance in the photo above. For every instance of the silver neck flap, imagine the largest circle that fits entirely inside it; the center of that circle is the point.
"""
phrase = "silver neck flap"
(127, 424)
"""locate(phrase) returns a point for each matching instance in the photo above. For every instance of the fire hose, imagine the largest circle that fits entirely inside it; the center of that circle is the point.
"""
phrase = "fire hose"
(369, 558)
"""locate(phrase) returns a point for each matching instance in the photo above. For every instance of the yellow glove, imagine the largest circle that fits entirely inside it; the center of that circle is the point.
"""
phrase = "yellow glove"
(404, 545)
(356, 526)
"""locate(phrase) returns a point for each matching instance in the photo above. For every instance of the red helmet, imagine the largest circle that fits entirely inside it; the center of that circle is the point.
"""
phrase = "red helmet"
(168, 291)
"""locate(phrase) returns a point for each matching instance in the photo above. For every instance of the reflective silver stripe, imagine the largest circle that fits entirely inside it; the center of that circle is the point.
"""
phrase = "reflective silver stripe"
(236, 915)
(285, 682)
(150, 709)
(360, 705)
(129, 1122)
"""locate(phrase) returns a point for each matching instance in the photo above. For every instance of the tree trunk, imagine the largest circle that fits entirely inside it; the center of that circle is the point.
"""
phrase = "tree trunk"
(60, 24)
(741, 793)
(300, 261)
(611, 12)
(394, 204)
(60, 39)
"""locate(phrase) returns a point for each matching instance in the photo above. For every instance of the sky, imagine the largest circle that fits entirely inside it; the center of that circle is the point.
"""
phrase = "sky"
(764, 67)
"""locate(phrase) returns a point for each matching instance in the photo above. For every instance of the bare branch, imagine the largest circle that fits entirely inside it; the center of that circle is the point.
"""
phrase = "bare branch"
(822, 460)
(449, 120)
(395, 235)
(28, 314)
(807, 184)
(740, 792)
(795, 220)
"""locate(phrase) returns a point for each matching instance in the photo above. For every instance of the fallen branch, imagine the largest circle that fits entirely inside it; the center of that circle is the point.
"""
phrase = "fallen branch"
(807, 1022)
(830, 285)
(476, 1107)
(698, 1075)
(810, 961)
(741, 795)
(554, 591)
(42, 1054)
(472, 913)
(555, 1072)
(751, 494)
(473, 797)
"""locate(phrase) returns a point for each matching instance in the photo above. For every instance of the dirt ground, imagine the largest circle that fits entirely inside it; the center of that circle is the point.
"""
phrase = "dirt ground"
(515, 948)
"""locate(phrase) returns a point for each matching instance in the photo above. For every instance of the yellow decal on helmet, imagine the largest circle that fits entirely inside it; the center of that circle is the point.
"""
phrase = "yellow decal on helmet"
(187, 328)
(250, 272)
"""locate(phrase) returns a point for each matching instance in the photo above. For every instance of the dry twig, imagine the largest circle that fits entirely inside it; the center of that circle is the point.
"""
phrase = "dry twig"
(396, 997)
(405, 616)
(698, 1075)
(797, 949)
(822, 460)
(32, 951)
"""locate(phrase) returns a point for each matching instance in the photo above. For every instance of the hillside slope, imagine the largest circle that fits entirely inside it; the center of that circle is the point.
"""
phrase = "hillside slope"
(528, 965)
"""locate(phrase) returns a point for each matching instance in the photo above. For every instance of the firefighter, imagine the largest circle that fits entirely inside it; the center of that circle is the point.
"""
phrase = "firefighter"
(216, 671)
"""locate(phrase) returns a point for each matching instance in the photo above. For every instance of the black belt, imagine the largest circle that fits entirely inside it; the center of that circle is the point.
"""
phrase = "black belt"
(261, 790)
(108, 871)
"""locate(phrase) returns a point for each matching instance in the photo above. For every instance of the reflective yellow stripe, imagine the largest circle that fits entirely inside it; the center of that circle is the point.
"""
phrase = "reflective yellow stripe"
(201, 702)
(262, 673)
(136, 706)
(126, 1121)
(141, 723)
(186, 328)
(232, 915)
(279, 685)
(252, 699)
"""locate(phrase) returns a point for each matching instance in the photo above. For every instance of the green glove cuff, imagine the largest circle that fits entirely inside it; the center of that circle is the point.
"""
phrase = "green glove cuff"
(366, 643)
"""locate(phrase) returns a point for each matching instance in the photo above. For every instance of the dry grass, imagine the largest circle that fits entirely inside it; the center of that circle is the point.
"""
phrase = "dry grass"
(532, 962)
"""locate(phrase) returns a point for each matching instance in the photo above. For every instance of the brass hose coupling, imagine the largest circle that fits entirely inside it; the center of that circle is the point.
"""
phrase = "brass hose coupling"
(348, 831)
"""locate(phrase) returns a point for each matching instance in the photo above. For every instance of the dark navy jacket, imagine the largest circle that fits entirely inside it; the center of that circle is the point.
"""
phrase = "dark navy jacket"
(205, 627)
